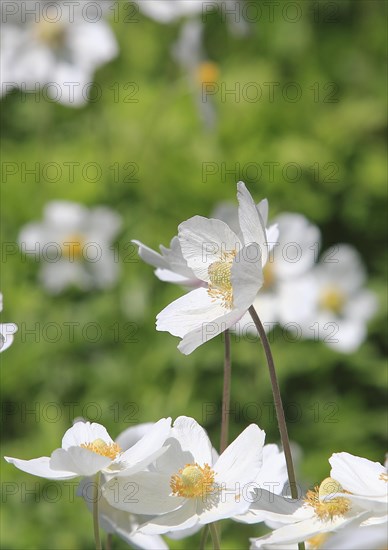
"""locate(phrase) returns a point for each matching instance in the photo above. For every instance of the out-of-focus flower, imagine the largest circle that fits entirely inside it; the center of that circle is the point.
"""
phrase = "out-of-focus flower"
(228, 264)
(357, 538)
(329, 302)
(88, 449)
(185, 486)
(167, 11)
(294, 244)
(75, 244)
(354, 495)
(54, 43)
(7, 330)
(201, 72)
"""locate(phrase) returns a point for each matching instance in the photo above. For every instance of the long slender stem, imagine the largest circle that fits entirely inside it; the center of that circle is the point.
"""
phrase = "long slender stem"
(96, 526)
(278, 407)
(204, 536)
(109, 540)
(215, 538)
(226, 394)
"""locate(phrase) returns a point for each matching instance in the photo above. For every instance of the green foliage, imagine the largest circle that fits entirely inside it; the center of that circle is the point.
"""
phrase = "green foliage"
(152, 156)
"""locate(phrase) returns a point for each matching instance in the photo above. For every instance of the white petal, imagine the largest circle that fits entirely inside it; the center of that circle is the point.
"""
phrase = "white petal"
(251, 223)
(132, 435)
(170, 277)
(78, 460)
(147, 449)
(358, 475)
(193, 438)
(342, 265)
(269, 507)
(85, 432)
(184, 517)
(150, 256)
(7, 330)
(40, 467)
(246, 276)
(241, 461)
(204, 241)
(143, 493)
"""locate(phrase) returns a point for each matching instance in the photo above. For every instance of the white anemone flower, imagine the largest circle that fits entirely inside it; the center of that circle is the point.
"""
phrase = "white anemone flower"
(187, 486)
(355, 495)
(112, 520)
(329, 302)
(75, 245)
(167, 11)
(229, 265)
(7, 330)
(54, 43)
(88, 449)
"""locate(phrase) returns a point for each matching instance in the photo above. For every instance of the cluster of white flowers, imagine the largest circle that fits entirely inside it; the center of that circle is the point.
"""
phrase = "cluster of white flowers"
(162, 479)
(322, 299)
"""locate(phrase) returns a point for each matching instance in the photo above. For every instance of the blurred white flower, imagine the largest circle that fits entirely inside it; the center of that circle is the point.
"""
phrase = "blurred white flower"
(88, 449)
(355, 495)
(7, 330)
(167, 11)
(201, 72)
(55, 43)
(230, 265)
(186, 486)
(329, 302)
(357, 538)
(75, 245)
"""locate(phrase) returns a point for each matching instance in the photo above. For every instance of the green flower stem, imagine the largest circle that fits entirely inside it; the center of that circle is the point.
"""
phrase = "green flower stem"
(215, 537)
(204, 536)
(109, 540)
(278, 407)
(226, 394)
(96, 526)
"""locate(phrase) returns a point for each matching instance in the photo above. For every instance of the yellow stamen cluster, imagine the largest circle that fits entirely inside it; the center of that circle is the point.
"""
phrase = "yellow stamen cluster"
(207, 72)
(51, 33)
(72, 246)
(220, 284)
(110, 450)
(384, 477)
(269, 276)
(328, 509)
(193, 481)
(333, 299)
(316, 542)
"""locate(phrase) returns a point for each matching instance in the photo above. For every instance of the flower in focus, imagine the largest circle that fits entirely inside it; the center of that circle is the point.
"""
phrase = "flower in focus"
(354, 495)
(58, 44)
(332, 303)
(187, 485)
(75, 244)
(87, 449)
(229, 265)
(7, 330)
(112, 520)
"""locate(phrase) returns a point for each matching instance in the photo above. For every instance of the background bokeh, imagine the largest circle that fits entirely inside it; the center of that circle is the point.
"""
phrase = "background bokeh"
(152, 155)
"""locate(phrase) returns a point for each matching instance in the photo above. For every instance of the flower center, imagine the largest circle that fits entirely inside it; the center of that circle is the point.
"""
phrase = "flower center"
(51, 33)
(193, 481)
(269, 276)
(333, 299)
(110, 450)
(316, 542)
(328, 509)
(220, 284)
(72, 246)
(384, 477)
(207, 72)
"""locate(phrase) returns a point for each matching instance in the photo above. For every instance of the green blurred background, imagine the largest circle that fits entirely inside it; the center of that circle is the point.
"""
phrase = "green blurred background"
(152, 154)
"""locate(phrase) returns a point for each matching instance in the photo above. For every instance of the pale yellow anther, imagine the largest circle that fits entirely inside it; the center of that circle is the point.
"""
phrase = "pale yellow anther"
(333, 299)
(193, 481)
(72, 246)
(325, 508)
(51, 33)
(220, 284)
(100, 447)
